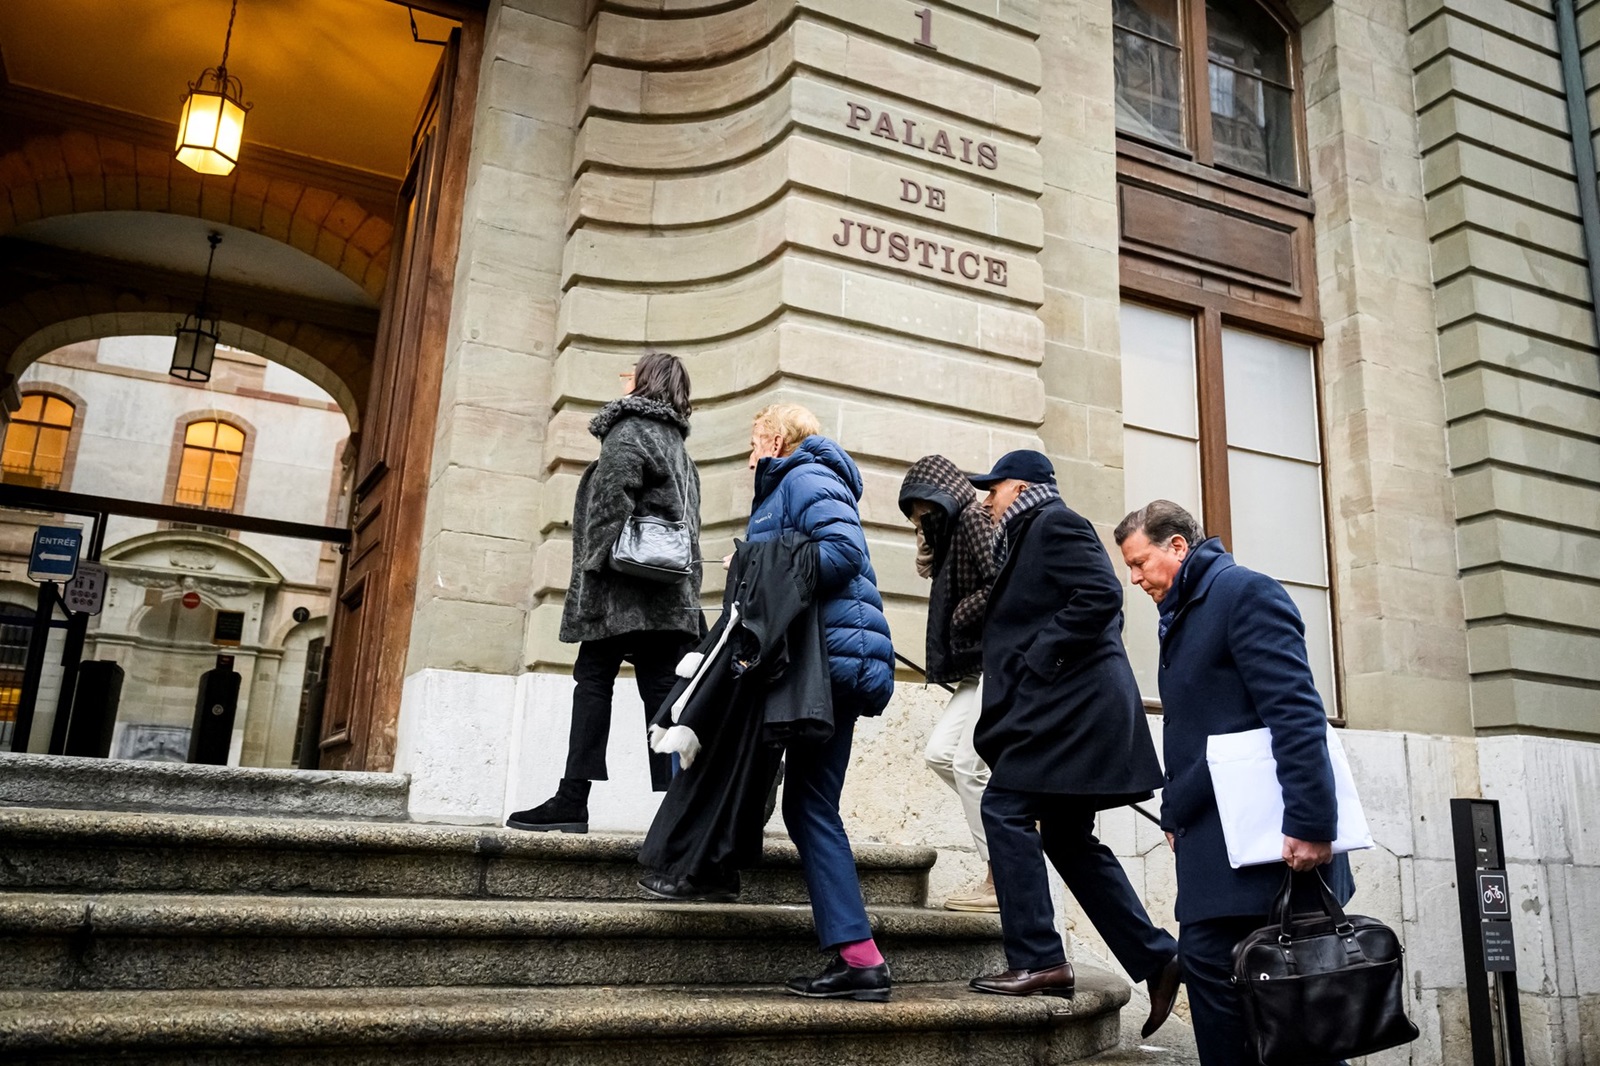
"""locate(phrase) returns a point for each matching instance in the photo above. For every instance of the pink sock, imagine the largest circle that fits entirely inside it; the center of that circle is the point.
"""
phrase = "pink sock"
(861, 953)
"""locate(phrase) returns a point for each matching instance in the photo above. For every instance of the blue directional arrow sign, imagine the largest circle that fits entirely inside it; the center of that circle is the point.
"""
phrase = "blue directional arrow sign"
(55, 553)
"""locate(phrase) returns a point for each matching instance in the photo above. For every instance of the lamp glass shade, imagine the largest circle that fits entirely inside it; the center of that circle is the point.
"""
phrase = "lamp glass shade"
(209, 132)
(194, 352)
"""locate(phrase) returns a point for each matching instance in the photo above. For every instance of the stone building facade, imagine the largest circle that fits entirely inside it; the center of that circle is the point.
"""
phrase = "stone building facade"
(129, 435)
(923, 223)
(1323, 269)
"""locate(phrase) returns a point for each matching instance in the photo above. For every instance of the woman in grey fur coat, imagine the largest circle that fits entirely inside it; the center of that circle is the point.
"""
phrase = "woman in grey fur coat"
(644, 470)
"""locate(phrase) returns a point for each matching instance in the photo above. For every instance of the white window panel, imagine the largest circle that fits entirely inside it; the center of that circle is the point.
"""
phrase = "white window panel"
(1277, 517)
(1271, 395)
(1160, 468)
(1316, 608)
(1139, 636)
(1158, 389)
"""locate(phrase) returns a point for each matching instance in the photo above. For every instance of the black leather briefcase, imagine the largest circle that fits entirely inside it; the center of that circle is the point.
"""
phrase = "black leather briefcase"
(1321, 987)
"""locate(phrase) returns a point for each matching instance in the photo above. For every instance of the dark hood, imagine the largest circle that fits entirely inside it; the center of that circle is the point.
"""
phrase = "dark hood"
(643, 407)
(938, 481)
(814, 449)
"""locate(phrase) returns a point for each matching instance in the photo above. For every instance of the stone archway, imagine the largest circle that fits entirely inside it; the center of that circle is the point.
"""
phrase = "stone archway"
(337, 361)
(74, 171)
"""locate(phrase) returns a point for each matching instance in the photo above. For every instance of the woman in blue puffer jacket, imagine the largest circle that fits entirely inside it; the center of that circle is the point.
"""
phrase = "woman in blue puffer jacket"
(805, 483)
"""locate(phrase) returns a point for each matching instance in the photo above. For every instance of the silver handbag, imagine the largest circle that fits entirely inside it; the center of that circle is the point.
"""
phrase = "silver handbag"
(655, 549)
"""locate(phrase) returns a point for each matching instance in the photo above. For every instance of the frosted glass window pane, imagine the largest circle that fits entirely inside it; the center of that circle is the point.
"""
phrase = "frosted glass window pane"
(1277, 517)
(1139, 635)
(1316, 609)
(1271, 395)
(1158, 370)
(1160, 468)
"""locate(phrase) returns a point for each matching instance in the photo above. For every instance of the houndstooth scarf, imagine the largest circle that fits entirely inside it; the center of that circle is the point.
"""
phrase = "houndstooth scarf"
(1031, 497)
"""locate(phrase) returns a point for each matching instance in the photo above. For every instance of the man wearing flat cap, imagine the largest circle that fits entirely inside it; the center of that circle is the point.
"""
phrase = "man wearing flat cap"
(1064, 734)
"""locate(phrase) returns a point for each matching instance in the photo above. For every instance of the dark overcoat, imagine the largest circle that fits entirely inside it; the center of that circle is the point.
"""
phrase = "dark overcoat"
(643, 469)
(1061, 710)
(1233, 658)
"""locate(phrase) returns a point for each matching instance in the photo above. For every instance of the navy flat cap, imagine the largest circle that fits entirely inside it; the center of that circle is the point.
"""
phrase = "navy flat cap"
(1023, 465)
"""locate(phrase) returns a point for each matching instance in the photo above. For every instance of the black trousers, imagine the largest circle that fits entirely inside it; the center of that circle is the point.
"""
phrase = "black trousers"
(1064, 833)
(655, 659)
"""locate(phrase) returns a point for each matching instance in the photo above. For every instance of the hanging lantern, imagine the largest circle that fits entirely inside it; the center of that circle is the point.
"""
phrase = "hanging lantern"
(211, 126)
(196, 348)
(197, 334)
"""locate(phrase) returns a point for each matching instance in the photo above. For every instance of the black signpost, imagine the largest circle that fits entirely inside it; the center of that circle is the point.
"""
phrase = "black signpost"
(1486, 938)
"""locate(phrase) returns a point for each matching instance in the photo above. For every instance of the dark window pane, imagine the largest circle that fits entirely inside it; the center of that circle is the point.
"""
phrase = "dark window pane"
(1245, 37)
(1252, 125)
(1152, 18)
(1149, 87)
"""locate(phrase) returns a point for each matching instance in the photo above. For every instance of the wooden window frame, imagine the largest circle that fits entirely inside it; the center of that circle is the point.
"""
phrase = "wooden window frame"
(180, 432)
(69, 459)
(1220, 287)
(1210, 317)
(1194, 43)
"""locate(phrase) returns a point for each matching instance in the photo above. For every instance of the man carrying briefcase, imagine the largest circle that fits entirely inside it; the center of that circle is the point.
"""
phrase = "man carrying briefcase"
(1233, 658)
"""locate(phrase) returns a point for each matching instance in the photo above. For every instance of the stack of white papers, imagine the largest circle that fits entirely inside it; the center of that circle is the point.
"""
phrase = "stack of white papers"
(1244, 776)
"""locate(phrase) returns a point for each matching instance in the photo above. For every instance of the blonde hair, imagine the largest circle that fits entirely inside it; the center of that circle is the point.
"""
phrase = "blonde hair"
(792, 421)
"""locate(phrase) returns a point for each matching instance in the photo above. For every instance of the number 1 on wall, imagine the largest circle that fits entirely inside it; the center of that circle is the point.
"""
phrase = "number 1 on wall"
(925, 39)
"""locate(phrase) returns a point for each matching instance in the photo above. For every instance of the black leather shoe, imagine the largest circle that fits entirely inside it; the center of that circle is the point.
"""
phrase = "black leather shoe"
(553, 815)
(1056, 981)
(688, 889)
(1163, 994)
(840, 980)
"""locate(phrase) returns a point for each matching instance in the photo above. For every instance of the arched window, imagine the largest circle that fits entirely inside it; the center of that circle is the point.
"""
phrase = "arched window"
(36, 442)
(1230, 105)
(208, 476)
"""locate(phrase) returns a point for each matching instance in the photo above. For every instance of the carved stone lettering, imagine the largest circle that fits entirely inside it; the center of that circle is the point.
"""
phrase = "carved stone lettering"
(924, 253)
(916, 134)
(913, 192)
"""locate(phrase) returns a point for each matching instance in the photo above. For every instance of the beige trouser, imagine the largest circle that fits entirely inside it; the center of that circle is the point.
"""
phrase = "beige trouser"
(950, 755)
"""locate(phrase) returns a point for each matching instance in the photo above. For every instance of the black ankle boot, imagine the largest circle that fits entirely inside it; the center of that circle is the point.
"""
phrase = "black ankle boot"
(566, 812)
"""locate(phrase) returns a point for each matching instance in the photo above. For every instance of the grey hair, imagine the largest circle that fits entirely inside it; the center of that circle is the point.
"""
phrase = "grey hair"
(1160, 521)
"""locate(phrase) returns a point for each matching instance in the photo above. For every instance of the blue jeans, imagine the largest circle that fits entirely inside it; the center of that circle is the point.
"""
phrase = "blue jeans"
(812, 783)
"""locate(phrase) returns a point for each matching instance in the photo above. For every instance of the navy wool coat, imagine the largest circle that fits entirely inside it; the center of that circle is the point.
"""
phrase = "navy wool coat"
(814, 492)
(1061, 711)
(1233, 658)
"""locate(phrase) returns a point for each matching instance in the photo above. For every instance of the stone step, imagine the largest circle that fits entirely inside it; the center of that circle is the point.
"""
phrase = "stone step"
(131, 785)
(134, 941)
(79, 851)
(926, 1025)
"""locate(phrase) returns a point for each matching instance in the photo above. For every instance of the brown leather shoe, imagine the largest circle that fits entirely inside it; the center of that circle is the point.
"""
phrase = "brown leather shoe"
(1056, 981)
(1163, 994)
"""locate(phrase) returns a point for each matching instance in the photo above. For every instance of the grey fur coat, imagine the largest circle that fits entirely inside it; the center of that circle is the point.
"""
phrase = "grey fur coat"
(643, 469)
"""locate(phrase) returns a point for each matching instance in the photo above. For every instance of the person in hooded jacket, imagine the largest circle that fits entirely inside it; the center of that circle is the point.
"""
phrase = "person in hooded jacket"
(644, 469)
(955, 538)
(806, 483)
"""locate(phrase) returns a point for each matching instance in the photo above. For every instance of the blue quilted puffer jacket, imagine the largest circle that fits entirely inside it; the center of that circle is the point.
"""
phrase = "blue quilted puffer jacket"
(813, 491)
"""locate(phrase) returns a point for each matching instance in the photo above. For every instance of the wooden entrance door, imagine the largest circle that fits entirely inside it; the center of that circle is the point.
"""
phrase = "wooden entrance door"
(371, 625)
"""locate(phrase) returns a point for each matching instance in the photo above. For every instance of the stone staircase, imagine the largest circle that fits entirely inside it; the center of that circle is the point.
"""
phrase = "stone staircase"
(148, 937)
